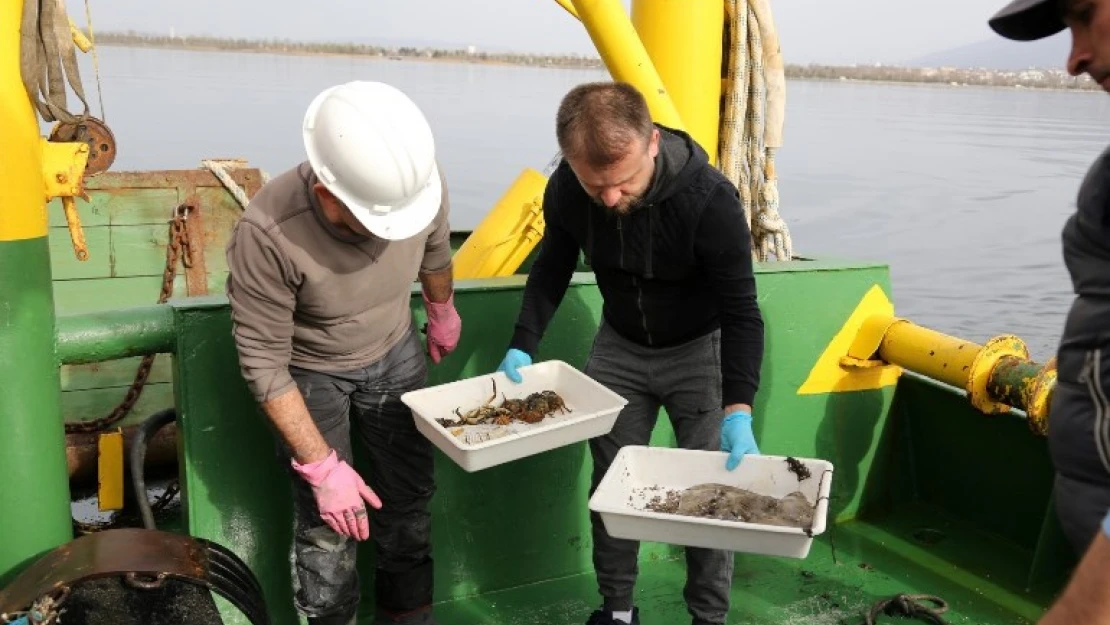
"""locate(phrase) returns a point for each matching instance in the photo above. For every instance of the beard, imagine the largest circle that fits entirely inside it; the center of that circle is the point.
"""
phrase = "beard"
(626, 205)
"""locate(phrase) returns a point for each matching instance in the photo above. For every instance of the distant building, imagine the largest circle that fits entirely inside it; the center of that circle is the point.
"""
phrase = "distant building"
(471, 50)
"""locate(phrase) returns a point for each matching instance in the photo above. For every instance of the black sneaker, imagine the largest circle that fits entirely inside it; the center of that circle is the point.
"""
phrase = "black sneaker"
(605, 617)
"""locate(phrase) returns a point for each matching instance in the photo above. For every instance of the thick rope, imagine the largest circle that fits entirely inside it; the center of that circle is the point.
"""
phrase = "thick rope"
(48, 58)
(751, 123)
(219, 169)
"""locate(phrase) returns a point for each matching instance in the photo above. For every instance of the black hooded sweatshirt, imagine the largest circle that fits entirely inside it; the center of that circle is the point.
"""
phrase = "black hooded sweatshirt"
(676, 268)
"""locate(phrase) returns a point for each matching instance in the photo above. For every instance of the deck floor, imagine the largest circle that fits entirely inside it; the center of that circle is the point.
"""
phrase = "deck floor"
(872, 563)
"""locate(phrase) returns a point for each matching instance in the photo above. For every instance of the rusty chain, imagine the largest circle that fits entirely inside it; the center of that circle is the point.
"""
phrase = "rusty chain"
(178, 243)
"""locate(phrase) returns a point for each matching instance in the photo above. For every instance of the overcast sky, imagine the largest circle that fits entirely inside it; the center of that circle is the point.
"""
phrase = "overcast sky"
(819, 31)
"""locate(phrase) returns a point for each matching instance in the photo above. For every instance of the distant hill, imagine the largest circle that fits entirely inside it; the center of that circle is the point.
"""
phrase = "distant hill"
(1001, 54)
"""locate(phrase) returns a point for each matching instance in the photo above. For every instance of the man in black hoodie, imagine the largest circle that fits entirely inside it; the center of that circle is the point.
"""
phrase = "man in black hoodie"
(1079, 416)
(666, 236)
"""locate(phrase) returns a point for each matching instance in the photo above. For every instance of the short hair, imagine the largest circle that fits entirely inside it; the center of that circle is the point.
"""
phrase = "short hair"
(599, 120)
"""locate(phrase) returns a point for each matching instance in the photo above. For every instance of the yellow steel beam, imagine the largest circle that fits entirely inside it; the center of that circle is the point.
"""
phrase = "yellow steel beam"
(683, 39)
(624, 55)
(109, 492)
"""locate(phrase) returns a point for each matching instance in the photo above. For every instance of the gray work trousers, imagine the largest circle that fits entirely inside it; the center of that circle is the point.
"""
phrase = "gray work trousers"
(686, 380)
(367, 400)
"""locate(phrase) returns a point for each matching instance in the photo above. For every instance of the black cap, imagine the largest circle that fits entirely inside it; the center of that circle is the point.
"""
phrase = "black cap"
(1028, 20)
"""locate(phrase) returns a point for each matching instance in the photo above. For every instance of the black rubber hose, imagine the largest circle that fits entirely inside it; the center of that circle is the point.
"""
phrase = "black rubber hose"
(139, 441)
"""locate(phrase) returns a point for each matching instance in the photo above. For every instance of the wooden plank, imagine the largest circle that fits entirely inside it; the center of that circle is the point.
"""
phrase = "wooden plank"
(64, 263)
(91, 404)
(140, 250)
(119, 207)
(82, 296)
(92, 213)
(221, 212)
(114, 373)
(144, 206)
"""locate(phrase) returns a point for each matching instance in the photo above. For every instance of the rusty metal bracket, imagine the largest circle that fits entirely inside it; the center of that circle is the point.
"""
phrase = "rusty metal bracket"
(63, 167)
(144, 559)
(992, 353)
(196, 272)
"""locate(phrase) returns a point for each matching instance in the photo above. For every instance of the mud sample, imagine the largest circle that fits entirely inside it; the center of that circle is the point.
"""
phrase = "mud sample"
(729, 503)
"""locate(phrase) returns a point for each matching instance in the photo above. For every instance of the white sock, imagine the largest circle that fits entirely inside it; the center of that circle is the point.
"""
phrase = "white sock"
(625, 616)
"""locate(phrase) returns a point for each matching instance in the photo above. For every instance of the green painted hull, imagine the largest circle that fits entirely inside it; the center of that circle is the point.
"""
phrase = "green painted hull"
(512, 543)
(929, 496)
(33, 486)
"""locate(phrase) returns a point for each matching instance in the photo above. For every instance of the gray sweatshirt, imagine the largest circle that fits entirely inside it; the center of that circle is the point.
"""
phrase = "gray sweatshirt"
(307, 294)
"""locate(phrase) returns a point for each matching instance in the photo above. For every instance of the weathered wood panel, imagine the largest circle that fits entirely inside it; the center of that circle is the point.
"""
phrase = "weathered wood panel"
(126, 225)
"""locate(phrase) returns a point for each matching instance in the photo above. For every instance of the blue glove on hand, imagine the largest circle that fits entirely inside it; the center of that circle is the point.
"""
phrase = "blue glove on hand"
(737, 438)
(513, 359)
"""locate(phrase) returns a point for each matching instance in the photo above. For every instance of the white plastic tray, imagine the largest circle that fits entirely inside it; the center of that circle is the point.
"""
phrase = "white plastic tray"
(638, 473)
(592, 410)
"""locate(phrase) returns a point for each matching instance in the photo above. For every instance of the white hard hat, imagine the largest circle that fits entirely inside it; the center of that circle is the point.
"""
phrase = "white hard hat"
(370, 145)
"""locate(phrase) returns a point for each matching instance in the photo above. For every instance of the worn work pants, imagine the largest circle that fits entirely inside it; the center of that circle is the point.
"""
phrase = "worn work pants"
(368, 402)
(686, 380)
(1079, 442)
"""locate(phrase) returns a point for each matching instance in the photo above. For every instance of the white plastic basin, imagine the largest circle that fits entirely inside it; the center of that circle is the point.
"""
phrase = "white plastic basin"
(638, 473)
(592, 410)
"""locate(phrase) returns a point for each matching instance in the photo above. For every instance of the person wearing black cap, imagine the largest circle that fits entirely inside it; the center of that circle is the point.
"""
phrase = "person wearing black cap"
(1079, 421)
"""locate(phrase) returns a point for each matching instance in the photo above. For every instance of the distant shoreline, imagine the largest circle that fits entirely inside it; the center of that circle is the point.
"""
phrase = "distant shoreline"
(1052, 79)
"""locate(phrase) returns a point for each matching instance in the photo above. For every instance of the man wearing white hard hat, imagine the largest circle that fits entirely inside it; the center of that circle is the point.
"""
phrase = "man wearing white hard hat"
(320, 271)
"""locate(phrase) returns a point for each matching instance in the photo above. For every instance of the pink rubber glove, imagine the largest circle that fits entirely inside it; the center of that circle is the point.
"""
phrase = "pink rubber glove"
(339, 493)
(444, 327)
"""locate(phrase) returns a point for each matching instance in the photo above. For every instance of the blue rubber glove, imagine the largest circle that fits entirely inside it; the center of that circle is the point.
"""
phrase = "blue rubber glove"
(737, 438)
(513, 359)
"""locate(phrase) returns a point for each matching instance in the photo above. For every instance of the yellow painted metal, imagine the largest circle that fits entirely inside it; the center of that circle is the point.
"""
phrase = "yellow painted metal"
(79, 39)
(22, 204)
(109, 492)
(624, 55)
(63, 172)
(566, 4)
(835, 373)
(507, 234)
(683, 39)
(933, 354)
(63, 168)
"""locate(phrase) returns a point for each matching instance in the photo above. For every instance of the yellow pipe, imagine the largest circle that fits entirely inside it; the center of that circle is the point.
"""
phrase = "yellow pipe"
(624, 55)
(928, 352)
(994, 375)
(79, 39)
(22, 197)
(683, 39)
(507, 234)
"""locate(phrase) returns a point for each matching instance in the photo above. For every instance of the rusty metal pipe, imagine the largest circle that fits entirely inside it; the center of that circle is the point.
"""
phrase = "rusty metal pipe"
(81, 453)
